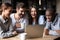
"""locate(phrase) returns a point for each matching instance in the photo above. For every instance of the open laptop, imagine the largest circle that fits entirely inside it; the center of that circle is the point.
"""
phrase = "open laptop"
(34, 31)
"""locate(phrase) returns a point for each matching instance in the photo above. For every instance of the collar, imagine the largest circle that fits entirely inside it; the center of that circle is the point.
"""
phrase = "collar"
(3, 20)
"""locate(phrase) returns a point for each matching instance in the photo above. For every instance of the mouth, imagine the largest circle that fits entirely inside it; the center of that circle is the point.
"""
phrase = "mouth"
(33, 15)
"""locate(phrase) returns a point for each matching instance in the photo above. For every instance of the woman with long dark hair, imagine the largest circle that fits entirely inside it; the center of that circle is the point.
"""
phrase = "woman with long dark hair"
(33, 19)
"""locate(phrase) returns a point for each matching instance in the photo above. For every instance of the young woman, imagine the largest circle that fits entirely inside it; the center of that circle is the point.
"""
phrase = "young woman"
(33, 19)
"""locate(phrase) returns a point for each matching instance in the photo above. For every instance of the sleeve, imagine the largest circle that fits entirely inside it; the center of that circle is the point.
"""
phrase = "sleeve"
(41, 20)
(48, 25)
(5, 34)
(11, 28)
(52, 32)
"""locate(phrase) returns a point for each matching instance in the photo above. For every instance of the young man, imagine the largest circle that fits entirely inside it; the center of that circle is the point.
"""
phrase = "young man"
(18, 19)
(52, 23)
(6, 28)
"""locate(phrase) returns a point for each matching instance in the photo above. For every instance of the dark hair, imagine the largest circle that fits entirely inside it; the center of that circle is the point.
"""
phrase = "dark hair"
(7, 5)
(0, 9)
(33, 6)
(20, 5)
(51, 10)
(30, 17)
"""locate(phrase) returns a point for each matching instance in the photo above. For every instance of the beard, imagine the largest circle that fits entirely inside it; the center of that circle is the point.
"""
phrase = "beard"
(21, 15)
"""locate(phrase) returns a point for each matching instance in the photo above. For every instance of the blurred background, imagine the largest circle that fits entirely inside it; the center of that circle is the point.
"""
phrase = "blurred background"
(42, 5)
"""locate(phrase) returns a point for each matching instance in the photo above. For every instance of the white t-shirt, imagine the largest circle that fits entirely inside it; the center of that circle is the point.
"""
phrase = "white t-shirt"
(41, 20)
(22, 21)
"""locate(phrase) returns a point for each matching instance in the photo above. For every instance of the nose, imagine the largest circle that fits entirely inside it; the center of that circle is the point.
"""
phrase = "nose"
(34, 12)
(47, 17)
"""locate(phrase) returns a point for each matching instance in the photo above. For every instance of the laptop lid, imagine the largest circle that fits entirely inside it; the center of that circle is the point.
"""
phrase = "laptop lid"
(34, 31)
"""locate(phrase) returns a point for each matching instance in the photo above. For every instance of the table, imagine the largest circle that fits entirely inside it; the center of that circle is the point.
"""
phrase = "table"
(45, 38)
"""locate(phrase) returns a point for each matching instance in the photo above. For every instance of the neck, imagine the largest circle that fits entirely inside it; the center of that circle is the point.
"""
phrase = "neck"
(34, 19)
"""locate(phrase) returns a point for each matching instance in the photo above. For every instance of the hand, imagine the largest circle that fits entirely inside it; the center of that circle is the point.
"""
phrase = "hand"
(58, 31)
(18, 25)
(14, 32)
(46, 31)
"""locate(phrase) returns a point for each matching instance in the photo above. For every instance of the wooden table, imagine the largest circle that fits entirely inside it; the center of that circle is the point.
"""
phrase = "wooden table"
(45, 38)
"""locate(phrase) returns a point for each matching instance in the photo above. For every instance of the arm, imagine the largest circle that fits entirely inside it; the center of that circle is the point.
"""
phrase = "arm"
(46, 32)
(50, 32)
(46, 29)
(58, 31)
(5, 34)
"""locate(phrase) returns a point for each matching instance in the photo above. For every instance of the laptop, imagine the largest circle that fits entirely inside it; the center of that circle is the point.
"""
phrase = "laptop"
(34, 31)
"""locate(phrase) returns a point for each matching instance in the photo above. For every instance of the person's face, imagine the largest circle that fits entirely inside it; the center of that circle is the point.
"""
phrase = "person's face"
(7, 12)
(33, 12)
(48, 16)
(20, 12)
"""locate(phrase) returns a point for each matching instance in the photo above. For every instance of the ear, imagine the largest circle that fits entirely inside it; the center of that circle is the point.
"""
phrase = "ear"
(17, 10)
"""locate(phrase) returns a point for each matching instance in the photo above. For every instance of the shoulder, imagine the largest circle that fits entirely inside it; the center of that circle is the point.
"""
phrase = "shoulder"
(12, 15)
(58, 15)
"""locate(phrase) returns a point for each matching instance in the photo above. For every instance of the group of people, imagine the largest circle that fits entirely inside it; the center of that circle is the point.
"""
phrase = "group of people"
(13, 23)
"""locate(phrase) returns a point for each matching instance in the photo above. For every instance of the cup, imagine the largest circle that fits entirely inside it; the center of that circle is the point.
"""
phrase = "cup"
(22, 36)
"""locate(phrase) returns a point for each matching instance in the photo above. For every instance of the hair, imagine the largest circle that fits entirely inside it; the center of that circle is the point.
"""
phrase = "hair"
(30, 17)
(33, 6)
(51, 10)
(5, 6)
(20, 5)
(0, 9)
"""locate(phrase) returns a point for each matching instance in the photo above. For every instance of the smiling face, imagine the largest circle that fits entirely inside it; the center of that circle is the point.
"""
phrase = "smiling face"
(33, 12)
(7, 12)
(20, 12)
(48, 15)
